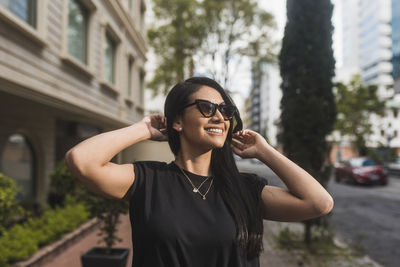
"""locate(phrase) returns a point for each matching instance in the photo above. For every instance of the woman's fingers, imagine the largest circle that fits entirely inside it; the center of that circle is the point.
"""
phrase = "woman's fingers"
(238, 145)
(237, 151)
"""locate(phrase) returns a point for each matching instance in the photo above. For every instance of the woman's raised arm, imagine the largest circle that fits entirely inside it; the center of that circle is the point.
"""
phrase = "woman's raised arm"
(306, 197)
(89, 161)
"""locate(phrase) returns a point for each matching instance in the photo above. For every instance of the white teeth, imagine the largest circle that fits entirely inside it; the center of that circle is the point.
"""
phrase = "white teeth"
(214, 130)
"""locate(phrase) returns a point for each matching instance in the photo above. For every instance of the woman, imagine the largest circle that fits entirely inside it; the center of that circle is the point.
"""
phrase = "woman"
(197, 210)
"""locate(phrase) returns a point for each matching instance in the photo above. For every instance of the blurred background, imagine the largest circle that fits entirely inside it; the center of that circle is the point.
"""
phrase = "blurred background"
(320, 80)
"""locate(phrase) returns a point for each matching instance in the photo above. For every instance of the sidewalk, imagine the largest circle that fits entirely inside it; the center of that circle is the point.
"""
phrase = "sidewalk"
(271, 257)
(71, 257)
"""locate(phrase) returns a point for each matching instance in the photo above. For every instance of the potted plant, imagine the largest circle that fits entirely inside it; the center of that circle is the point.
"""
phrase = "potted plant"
(108, 211)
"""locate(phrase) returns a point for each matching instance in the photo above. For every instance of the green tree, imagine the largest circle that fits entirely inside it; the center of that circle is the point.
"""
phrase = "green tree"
(355, 103)
(307, 104)
(175, 36)
(208, 36)
(235, 30)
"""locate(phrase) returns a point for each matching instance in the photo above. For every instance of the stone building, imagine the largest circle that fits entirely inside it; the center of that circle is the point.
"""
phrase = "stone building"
(69, 69)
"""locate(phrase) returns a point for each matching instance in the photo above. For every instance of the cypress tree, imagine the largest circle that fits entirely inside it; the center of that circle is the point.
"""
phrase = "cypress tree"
(307, 105)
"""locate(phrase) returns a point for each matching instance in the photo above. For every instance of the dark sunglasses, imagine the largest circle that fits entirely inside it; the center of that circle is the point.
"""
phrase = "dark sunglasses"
(208, 109)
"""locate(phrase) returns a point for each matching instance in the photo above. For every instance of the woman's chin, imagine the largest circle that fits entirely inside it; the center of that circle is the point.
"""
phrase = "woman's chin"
(218, 145)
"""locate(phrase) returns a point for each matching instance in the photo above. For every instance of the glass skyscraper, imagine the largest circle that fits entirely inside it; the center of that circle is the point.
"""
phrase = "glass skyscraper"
(396, 43)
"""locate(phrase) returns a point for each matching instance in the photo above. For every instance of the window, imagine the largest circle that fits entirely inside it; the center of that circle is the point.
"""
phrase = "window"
(23, 9)
(78, 35)
(109, 59)
(131, 63)
(130, 5)
(18, 162)
(142, 11)
(77, 31)
(141, 87)
(360, 162)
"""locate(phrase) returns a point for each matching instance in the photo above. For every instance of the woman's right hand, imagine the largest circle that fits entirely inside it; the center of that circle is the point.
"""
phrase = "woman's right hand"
(157, 126)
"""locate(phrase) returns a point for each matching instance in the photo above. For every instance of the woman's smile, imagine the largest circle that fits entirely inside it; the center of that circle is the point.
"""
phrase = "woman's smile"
(215, 131)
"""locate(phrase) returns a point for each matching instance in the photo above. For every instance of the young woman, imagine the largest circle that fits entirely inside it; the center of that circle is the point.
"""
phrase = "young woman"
(197, 210)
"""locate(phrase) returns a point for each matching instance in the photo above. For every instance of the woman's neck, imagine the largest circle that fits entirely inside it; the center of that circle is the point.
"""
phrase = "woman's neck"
(199, 164)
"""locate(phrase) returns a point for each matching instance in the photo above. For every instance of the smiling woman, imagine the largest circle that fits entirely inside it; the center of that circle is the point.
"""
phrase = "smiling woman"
(197, 210)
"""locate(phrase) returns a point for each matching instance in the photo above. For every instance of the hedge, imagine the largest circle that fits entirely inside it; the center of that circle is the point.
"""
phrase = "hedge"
(22, 240)
(9, 206)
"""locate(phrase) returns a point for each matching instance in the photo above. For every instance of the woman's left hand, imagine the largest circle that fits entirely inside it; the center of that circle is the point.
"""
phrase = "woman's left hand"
(250, 144)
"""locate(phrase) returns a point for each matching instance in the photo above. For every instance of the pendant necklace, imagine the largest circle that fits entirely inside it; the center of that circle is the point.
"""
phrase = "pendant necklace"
(197, 189)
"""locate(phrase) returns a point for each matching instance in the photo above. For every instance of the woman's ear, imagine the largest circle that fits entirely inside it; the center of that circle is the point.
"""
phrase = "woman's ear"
(177, 124)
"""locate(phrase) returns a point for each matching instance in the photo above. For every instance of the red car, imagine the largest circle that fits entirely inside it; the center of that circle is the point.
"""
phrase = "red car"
(361, 170)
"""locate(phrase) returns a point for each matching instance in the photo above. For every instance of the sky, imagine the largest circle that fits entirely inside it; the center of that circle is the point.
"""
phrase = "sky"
(242, 82)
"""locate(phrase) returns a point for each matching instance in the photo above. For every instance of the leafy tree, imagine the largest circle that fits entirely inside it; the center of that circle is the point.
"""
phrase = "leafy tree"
(177, 35)
(355, 103)
(307, 104)
(235, 30)
(206, 35)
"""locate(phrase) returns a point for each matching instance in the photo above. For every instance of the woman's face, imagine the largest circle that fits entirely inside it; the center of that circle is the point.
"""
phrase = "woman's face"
(199, 131)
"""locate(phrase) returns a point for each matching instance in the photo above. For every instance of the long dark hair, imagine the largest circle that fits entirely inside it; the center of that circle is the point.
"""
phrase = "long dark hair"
(234, 187)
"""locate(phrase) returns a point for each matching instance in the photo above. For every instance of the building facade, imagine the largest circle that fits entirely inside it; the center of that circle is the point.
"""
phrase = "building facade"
(368, 40)
(69, 69)
(350, 39)
(375, 44)
(396, 44)
(264, 101)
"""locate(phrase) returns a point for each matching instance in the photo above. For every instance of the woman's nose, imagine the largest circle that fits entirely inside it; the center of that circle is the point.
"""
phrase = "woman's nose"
(218, 115)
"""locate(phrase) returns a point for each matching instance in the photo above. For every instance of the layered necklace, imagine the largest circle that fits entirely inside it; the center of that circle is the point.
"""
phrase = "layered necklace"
(196, 189)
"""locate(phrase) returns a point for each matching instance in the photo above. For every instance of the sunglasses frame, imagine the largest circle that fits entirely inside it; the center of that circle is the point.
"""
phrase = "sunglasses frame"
(216, 106)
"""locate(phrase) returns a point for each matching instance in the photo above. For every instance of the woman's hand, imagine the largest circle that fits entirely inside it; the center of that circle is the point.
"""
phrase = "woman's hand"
(251, 143)
(157, 126)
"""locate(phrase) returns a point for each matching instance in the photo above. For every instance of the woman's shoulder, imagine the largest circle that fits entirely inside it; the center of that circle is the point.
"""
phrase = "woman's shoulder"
(151, 164)
(253, 179)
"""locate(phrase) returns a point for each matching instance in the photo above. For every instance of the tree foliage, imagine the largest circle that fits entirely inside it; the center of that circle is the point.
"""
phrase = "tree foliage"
(307, 104)
(355, 103)
(175, 38)
(208, 36)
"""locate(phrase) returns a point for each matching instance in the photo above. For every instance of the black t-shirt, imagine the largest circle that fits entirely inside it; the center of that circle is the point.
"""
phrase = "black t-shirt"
(174, 227)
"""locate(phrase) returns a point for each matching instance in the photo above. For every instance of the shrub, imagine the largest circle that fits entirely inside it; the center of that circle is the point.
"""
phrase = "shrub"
(62, 182)
(22, 240)
(9, 206)
(382, 154)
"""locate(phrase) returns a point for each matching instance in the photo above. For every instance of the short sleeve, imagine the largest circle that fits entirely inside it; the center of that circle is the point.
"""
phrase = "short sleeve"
(256, 183)
(144, 173)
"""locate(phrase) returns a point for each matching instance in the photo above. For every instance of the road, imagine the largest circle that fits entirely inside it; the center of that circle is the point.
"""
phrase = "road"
(370, 216)
(366, 216)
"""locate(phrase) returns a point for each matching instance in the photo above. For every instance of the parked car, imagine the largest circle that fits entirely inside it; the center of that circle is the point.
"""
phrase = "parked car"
(361, 170)
(394, 167)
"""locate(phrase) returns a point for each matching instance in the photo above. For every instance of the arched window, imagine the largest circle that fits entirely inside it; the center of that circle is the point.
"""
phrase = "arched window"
(18, 162)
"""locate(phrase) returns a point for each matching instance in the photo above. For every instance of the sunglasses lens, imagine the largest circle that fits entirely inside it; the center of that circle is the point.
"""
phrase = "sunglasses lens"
(206, 108)
(228, 111)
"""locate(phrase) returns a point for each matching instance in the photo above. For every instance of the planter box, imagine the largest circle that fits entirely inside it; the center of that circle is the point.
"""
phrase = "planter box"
(96, 257)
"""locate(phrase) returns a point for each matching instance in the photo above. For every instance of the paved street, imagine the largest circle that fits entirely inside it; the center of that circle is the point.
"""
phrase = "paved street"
(369, 215)
(364, 215)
